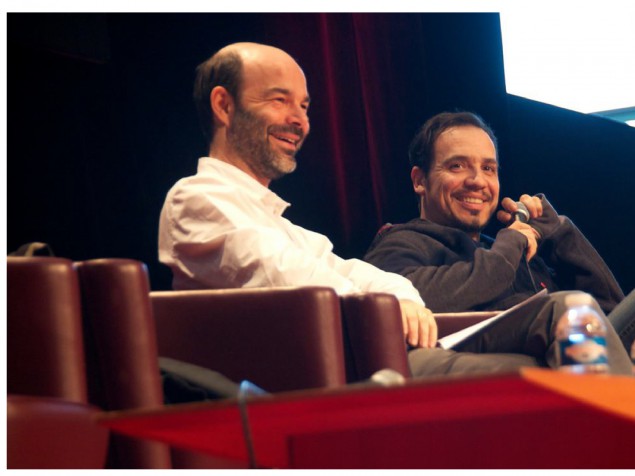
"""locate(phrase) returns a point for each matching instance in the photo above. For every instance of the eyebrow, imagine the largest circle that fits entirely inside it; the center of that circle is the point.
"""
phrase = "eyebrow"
(286, 92)
(464, 158)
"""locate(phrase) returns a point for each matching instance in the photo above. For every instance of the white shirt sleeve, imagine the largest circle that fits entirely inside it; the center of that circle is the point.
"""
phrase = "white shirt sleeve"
(217, 237)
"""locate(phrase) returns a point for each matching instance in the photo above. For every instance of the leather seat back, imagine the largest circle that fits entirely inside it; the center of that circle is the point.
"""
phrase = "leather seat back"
(279, 339)
(45, 351)
(123, 369)
(373, 335)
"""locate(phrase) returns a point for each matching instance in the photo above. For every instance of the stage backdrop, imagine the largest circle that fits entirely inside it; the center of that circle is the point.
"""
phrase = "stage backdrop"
(101, 123)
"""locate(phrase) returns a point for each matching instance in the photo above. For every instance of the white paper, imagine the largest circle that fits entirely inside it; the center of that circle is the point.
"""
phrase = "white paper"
(452, 340)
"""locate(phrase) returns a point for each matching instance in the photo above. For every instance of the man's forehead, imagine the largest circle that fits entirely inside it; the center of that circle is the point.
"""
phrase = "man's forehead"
(274, 77)
(465, 141)
(464, 132)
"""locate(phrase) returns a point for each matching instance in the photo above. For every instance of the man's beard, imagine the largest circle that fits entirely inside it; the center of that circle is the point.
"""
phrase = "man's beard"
(246, 137)
(473, 226)
(470, 226)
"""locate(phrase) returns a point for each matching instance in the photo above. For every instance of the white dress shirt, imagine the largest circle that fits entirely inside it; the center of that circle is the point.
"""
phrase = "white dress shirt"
(222, 229)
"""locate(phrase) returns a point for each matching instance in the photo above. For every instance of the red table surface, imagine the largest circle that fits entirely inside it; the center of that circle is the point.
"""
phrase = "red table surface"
(534, 419)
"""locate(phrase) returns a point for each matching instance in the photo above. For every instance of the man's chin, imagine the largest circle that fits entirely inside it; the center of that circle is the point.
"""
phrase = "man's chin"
(281, 167)
(475, 225)
(287, 164)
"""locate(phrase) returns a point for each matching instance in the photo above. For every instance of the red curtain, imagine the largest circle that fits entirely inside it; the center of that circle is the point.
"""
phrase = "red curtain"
(365, 76)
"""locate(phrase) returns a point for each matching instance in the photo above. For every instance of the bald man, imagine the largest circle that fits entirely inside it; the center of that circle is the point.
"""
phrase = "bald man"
(223, 227)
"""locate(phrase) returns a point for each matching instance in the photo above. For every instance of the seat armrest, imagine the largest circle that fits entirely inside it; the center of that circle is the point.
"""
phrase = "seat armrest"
(51, 433)
(123, 369)
(45, 349)
(373, 335)
(280, 339)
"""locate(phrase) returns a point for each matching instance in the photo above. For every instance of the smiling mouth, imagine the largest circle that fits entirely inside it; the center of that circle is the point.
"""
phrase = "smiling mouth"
(473, 205)
(288, 140)
(476, 201)
(291, 135)
(473, 201)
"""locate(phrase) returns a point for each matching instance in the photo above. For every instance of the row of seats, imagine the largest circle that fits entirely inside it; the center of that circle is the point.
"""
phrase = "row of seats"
(85, 337)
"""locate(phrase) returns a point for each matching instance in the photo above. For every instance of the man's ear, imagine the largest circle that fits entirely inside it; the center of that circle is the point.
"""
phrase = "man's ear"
(222, 104)
(418, 180)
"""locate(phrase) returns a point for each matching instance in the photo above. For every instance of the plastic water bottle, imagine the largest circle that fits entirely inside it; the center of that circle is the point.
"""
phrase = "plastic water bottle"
(581, 336)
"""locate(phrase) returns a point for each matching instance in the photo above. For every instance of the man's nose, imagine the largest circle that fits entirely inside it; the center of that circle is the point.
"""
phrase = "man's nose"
(298, 117)
(476, 179)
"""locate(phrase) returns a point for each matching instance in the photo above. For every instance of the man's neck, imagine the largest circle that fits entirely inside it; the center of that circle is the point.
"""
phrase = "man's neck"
(475, 235)
(221, 153)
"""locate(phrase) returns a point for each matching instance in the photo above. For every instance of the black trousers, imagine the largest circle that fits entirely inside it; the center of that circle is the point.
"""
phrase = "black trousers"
(525, 338)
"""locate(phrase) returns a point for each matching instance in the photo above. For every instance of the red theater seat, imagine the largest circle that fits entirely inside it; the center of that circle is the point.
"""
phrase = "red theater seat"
(373, 335)
(49, 424)
(123, 370)
(50, 433)
(278, 339)
(45, 352)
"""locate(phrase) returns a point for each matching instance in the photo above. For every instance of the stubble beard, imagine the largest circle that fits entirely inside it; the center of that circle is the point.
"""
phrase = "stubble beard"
(451, 218)
(245, 136)
(472, 225)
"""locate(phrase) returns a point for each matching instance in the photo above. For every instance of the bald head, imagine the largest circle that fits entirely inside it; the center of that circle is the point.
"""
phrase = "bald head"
(255, 52)
(227, 68)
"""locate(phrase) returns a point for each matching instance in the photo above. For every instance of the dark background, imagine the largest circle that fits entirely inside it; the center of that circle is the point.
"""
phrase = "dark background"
(101, 124)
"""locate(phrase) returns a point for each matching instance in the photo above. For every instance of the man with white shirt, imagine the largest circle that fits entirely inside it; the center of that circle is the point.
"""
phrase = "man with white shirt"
(223, 227)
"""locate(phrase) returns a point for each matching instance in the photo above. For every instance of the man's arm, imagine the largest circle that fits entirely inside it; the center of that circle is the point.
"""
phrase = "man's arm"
(576, 262)
(451, 273)
(565, 249)
(219, 238)
(210, 242)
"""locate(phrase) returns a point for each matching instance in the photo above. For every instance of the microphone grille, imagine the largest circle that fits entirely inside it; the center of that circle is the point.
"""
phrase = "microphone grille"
(522, 214)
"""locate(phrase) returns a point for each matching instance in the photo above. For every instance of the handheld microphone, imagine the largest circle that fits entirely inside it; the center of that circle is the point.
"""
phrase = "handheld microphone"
(522, 214)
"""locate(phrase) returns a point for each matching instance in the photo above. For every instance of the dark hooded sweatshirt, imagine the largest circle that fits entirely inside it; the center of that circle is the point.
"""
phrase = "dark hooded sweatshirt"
(454, 273)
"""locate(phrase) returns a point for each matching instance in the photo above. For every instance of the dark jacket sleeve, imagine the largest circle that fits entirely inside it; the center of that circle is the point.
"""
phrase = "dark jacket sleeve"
(450, 272)
(574, 259)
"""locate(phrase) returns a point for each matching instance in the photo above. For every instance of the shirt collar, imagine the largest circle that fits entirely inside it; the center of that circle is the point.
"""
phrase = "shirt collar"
(251, 186)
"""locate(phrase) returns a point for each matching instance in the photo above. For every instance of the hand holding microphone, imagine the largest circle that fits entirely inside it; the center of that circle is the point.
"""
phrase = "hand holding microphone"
(518, 215)
(522, 214)
(523, 210)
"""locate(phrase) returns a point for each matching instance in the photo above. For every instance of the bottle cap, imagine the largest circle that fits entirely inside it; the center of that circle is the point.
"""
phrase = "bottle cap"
(578, 299)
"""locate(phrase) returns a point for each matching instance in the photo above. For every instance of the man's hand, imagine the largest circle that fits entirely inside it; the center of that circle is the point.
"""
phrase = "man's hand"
(533, 204)
(419, 326)
(534, 207)
(531, 235)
